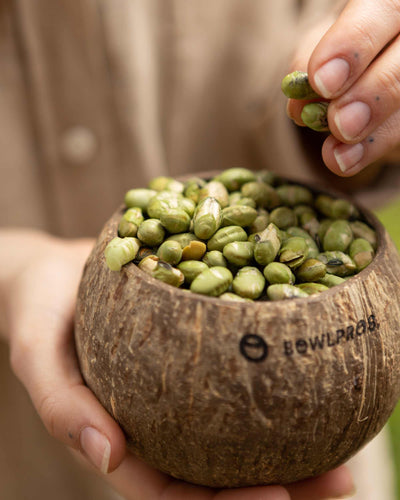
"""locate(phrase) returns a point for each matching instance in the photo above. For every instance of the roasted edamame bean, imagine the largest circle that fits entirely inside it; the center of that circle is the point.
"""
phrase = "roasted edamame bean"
(230, 235)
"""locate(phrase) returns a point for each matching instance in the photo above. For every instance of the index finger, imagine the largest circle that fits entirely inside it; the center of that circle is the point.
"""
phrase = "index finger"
(362, 30)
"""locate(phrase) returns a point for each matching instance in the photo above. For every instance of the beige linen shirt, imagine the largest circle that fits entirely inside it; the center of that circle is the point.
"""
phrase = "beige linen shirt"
(99, 96)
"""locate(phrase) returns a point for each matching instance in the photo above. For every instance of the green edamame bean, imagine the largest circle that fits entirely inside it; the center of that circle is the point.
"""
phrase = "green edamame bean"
(313, 249)
(234, 297)
(249, 282)
(163, 183)
(260, 222)
(283, 217)
(207, 218)
(214, 258)
(234, 197)
(302, 209)
(247, 202)
(170, 251)
(284, 291)
(343, 209)
(267, 245)
(161, 202)
(315, 116)
(130, 221)
(120, 251)
(239, 253)
(311, 270)
(361, 252)
(238, 215)
(276, 272)
(338, 236)
(362, 230)
(293, 252)
(335, 208)
(195, 250)
(225, 235)
(191, 269)
(213, 281)
(295, 85)
(331, 280)
(162, 270)
(192, 188)
(312, 288)
(263, 194)
(151, 232)
(267, 177)
(234, 178)
(323, 228)
(175, 220)
(292, 195)
(338, 263)
(139, 197)
(183, 238)
(215, 189)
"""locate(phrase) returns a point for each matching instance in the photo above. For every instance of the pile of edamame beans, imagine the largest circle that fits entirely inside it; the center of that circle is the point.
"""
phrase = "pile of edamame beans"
(241, 236)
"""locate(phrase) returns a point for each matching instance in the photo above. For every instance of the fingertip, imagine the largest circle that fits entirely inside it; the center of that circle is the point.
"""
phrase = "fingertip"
(337, 483)
(101, 439)
(293, 111)
(96, 447)
(272, 492)
(118, 447)
(105, 449)
(328, 155)
(74, 416)
(344, 160)
(329, 78)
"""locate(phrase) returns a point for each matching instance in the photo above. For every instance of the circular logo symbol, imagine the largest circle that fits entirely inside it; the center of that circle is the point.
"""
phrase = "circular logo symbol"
(253, 347)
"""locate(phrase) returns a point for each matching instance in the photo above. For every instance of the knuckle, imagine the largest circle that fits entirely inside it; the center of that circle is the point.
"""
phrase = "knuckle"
(391, 7)
(387, 133)
(364, 34)
(48, 409)
(389, 82)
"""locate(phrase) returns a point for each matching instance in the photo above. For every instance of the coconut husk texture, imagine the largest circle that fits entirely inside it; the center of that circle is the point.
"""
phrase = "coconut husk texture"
(229, 394)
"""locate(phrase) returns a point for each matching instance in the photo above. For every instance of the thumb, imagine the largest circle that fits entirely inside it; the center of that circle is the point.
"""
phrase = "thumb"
(43, 357)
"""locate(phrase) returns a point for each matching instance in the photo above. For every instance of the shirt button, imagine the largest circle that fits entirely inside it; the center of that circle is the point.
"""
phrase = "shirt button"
(79, 145)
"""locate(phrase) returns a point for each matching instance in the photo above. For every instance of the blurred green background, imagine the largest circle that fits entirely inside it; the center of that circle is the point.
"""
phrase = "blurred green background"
(390, 217)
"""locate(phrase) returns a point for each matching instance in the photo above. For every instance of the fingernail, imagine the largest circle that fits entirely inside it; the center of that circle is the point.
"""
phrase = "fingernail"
(96, 447)
(331, 77)
(352, 119)
(348, 155)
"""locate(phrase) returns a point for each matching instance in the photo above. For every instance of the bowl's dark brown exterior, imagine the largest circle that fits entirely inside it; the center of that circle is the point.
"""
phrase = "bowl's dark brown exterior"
(228, 394)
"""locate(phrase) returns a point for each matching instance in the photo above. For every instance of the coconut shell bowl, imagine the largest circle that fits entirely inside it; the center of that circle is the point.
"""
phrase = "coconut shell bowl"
(229, 394)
